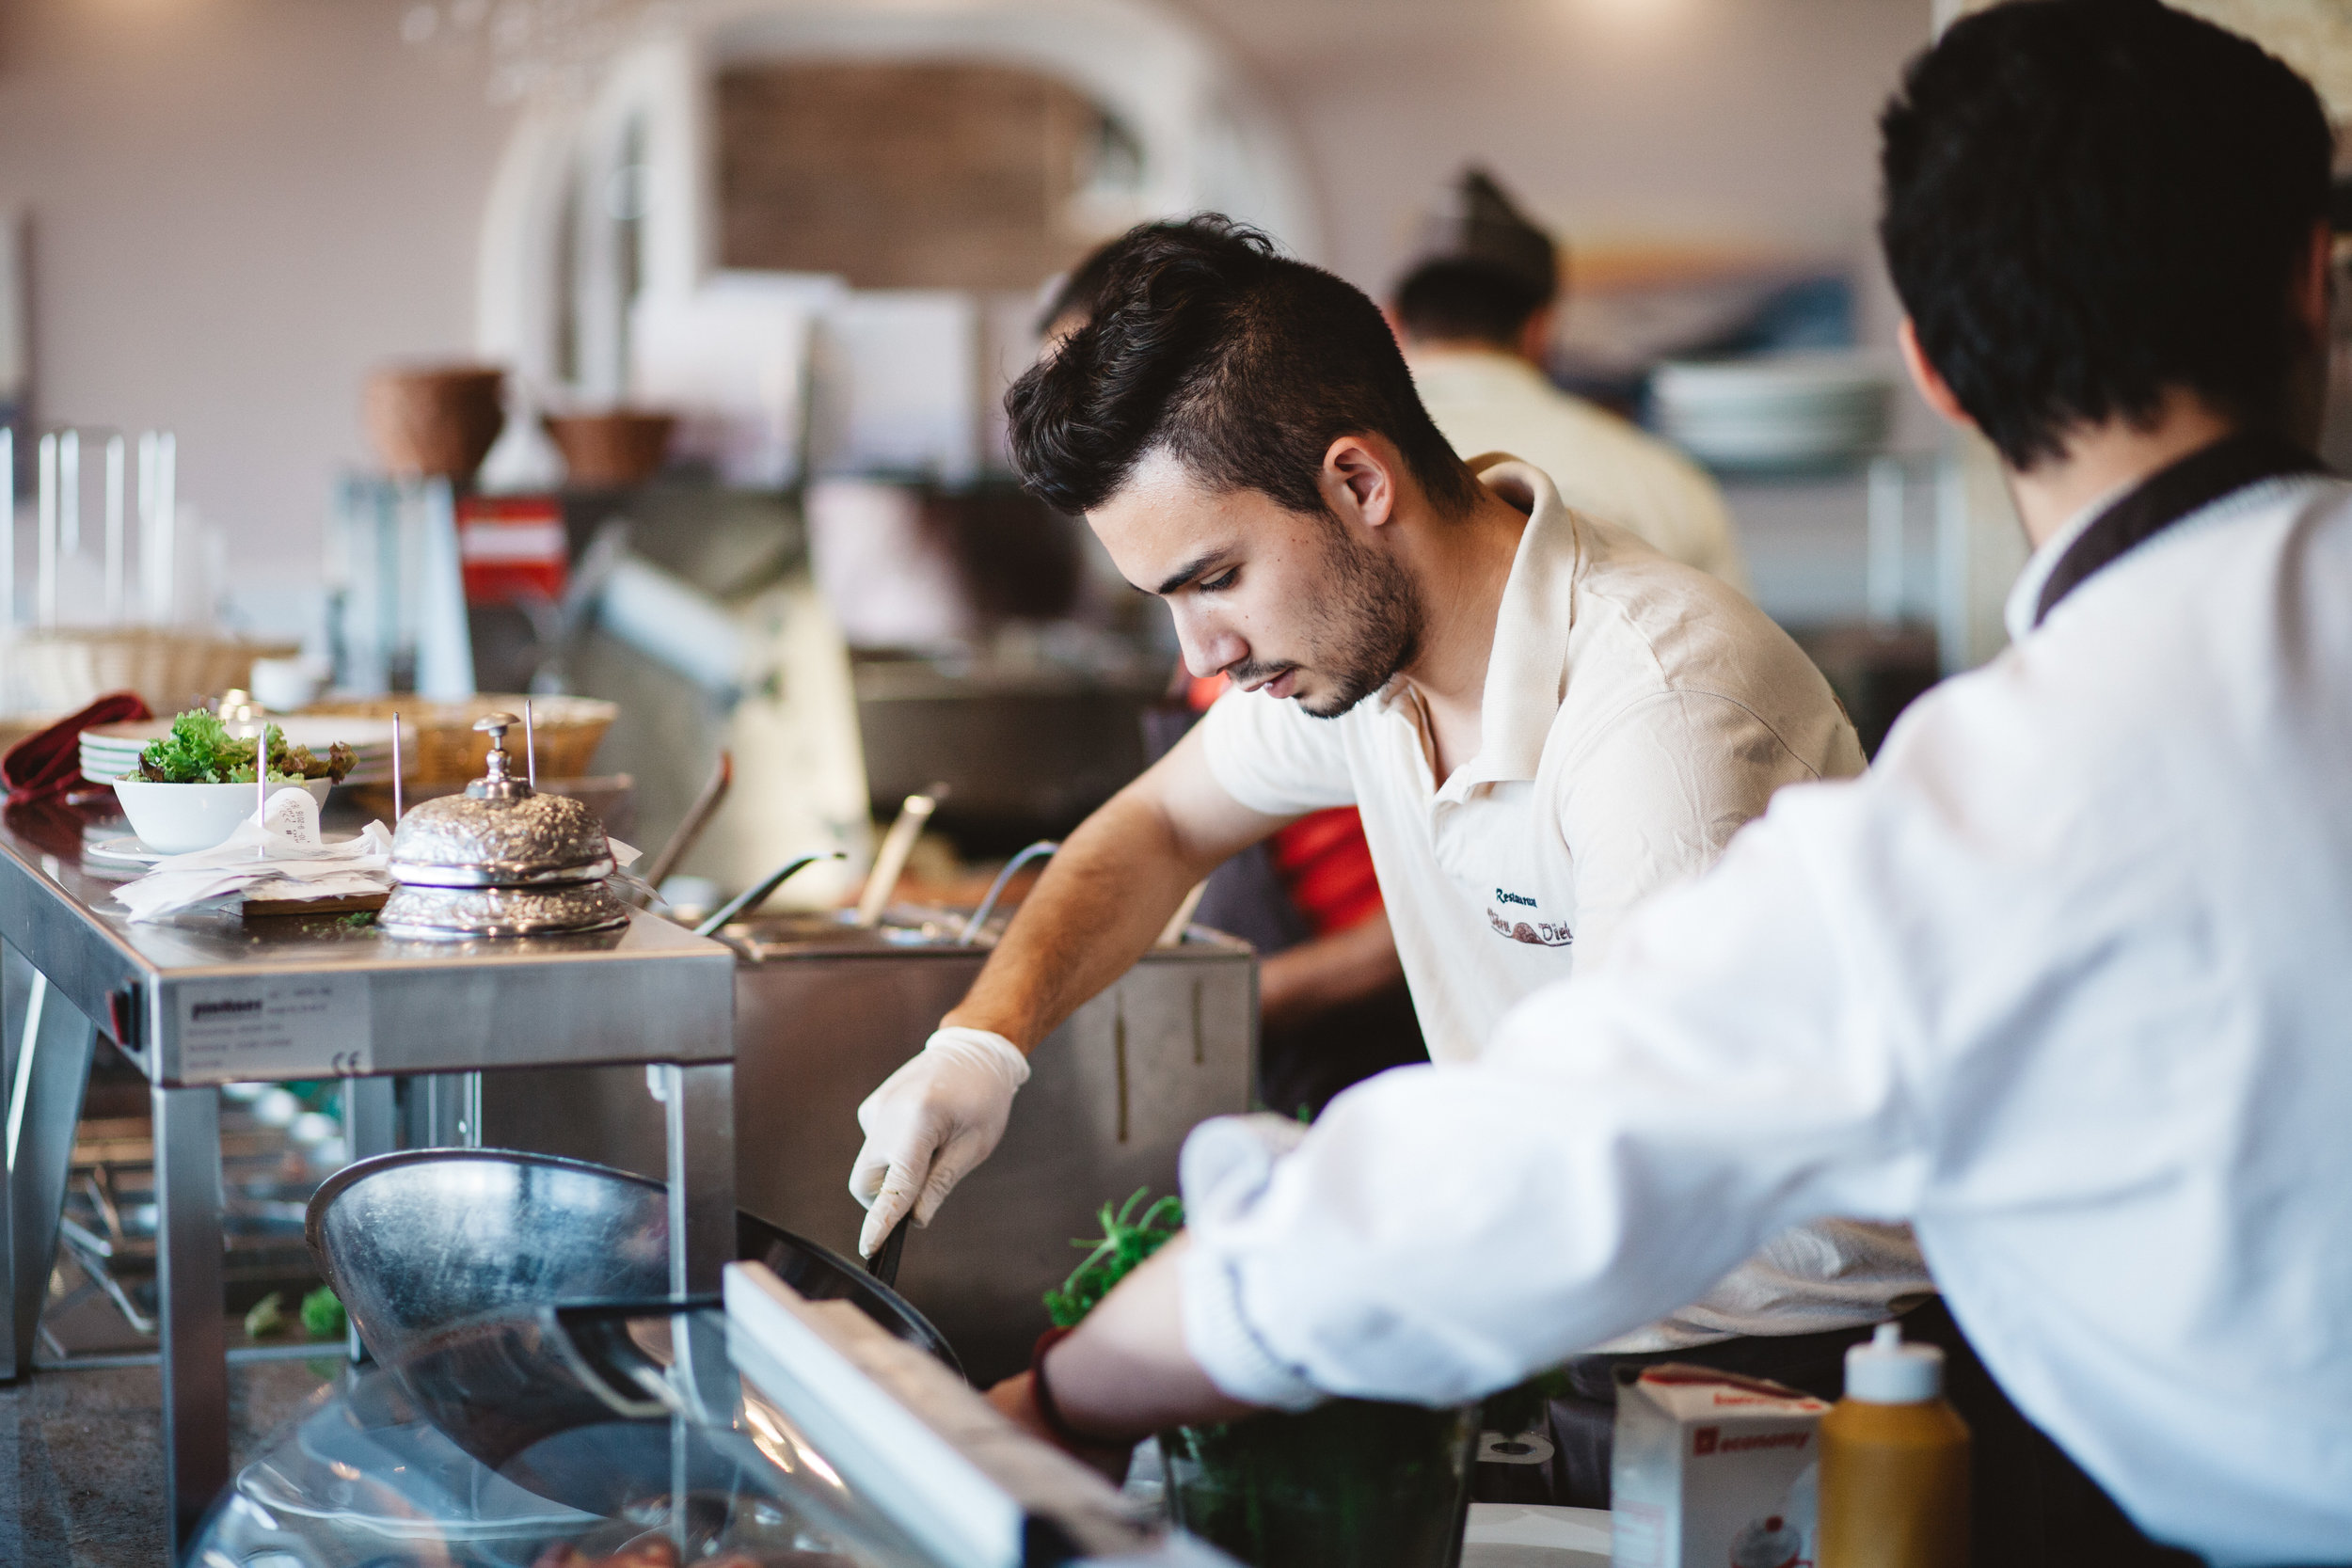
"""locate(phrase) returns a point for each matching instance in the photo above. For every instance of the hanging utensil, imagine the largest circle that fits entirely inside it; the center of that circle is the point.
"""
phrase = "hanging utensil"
(890, 860)
(697, 817)
(1172, 934)
(1038, 850)
(758, 893)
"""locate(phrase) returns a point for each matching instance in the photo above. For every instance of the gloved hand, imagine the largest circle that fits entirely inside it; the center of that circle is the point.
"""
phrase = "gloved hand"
(930, 1123)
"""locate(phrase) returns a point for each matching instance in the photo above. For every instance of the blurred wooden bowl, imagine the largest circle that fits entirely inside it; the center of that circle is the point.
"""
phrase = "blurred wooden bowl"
(434, 422)
(443, 747)
(612, 449)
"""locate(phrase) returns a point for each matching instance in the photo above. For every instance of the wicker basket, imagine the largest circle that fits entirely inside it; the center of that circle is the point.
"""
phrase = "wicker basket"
(438, 743)
(62, 670)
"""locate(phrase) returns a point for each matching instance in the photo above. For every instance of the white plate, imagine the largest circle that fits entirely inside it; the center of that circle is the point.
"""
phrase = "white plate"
(129, 849)
(314, 731)
(133, 751)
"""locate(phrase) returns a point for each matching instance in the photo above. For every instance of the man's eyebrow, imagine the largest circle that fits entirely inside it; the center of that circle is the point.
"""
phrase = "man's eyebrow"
(1186, 573)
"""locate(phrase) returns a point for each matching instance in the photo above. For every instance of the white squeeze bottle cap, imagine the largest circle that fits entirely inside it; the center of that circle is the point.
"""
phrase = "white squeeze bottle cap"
(1889, 1371)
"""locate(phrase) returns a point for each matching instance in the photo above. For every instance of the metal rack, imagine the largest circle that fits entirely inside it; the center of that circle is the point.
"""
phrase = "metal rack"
(206, 999)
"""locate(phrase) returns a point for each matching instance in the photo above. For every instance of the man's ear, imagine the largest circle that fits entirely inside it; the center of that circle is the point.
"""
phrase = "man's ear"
(1359, 480)
(1929, 381)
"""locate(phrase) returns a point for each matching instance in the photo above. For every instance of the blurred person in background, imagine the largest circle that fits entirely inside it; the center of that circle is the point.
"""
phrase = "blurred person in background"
(1332, 1004)
(1475, 317)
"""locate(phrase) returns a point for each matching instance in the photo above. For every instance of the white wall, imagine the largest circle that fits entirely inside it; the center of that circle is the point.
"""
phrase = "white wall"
(1618, 119)
(240, 205)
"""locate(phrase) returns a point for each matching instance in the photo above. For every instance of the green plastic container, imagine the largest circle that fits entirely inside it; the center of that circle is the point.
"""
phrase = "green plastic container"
(1350, 1484)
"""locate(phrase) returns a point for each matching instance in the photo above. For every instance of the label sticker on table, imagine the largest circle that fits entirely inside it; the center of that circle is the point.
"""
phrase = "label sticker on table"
(273, 1026)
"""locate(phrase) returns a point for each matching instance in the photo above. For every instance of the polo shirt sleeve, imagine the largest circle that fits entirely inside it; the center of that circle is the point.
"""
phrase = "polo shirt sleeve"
(1657, 795)
(1273, 757)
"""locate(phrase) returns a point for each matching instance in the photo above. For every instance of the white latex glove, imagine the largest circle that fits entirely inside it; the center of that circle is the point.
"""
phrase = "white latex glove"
(931, 1121)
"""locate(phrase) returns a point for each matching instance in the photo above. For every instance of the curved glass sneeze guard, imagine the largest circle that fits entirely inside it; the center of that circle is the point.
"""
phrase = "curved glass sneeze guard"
(554, 1440)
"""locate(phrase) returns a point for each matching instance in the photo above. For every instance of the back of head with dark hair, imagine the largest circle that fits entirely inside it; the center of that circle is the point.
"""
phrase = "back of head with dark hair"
(1081, 288)
(2089, 203)
(1243, 364)
(1453, 300)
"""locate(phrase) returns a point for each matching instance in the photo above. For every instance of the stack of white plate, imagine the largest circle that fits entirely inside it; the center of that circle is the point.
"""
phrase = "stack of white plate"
(1786, 411)
(110, 751)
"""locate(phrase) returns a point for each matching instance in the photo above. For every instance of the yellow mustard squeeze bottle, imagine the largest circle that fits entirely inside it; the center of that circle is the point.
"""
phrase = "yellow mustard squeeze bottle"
(1894, 1462)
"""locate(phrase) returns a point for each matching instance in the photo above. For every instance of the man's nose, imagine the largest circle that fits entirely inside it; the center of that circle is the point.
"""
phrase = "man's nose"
(1207, 647)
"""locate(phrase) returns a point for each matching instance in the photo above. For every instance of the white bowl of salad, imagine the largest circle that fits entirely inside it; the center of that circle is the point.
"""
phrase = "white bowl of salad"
(195, 785)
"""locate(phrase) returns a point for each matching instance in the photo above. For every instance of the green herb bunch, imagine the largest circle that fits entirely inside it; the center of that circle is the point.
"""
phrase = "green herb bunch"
(1126, 1241)
(200, 750)
(320, 1313)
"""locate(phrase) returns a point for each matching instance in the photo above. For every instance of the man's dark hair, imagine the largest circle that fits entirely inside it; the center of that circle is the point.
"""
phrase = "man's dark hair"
(2090, 202)
(1452, 300)
(1242, 363)
(1081, 288)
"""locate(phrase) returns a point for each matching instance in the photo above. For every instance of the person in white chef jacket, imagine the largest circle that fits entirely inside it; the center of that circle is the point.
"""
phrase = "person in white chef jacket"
(2065, 980)
(1475, 316)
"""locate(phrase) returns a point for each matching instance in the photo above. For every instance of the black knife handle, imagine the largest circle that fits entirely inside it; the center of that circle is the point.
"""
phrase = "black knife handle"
(883, 1265)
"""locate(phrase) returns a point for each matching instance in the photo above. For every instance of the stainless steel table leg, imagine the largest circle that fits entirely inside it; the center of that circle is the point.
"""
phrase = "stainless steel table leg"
(48, 1057)
(372, 1123)
(445, 1109)
(371, 1117)
(698, 1119)
(193, 1315)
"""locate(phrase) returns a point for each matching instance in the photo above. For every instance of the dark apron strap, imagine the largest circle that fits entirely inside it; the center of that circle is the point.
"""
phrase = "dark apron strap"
(2166, 497)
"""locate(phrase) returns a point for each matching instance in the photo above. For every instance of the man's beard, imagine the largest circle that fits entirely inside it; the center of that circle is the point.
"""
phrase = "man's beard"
(1365, 626)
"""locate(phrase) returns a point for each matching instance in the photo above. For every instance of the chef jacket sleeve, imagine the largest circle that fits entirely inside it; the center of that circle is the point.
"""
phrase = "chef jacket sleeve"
(1630, 1135)
(1655, 796)
(1273, 757)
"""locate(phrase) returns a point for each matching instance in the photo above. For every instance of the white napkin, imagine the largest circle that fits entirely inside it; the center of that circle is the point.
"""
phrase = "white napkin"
(280, 856)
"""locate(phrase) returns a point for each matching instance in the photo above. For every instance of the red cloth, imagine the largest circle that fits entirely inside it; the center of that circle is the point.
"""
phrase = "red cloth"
(50, 763)
(1325, 865)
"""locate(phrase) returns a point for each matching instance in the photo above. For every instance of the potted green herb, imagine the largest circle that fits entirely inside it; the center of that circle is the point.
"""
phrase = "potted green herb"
(1354, 1484)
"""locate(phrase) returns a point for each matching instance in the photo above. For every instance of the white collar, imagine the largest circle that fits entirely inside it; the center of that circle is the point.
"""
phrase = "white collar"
(2025, 594)
(1526, 670)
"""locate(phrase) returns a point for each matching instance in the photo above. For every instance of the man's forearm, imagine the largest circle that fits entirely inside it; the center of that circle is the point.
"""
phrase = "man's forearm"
(1329, 972)
(1101, 902)
(1125, 1373)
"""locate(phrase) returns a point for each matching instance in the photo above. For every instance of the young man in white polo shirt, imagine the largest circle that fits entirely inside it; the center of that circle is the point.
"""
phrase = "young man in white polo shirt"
(1541, 719)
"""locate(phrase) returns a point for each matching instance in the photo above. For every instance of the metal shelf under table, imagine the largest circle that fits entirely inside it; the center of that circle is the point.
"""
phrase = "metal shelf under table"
(207, 997)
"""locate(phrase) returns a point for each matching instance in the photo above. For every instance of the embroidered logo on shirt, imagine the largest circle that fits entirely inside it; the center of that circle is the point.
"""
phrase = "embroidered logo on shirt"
(1536, 933)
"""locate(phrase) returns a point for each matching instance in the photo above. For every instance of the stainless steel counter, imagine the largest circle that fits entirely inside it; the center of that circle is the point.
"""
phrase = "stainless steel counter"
(825, 1011)
(206, 998)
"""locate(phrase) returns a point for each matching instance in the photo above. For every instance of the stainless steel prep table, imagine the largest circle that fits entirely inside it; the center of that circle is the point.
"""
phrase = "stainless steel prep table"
(208, 998)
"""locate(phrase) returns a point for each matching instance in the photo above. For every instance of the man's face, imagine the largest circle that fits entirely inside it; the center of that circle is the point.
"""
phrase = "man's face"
(1292, 605)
